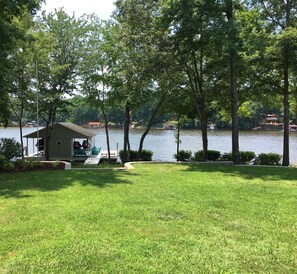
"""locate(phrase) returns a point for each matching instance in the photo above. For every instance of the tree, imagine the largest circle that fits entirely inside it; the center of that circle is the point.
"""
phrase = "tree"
(9, 33)
(80, 111)
(58, 51)
(97, 67)
(137, 83)
(190, 26)
(280, 21)
(21, 91)
(233, 81)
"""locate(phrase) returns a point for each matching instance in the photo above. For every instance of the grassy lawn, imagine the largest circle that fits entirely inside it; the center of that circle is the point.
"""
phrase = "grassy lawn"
(158, 218)
(102, 165)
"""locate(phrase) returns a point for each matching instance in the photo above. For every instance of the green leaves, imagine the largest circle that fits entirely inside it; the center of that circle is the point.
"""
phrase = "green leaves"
(58, 51)
(10, 33)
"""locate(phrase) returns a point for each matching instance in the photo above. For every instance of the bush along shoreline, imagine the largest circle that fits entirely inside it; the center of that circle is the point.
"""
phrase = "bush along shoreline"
(246, 157)
(21, 166)
(144, 155)
(10, 154)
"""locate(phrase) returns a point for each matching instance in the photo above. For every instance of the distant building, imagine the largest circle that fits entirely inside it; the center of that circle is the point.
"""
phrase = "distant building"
(271, 122)
(272, 119)
(95, 124)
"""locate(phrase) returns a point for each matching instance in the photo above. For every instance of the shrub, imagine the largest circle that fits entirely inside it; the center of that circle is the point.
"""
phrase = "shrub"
(212, 155)
(134, 155)
(122, 155)
(20, 165)
(268, 159)
(10, 148)
(3, 161)
(226, 156)
(8, 166)
(183, 155)
(56, 164)
(246, 156)
(34, 165)
(198, 156)
(145, 155)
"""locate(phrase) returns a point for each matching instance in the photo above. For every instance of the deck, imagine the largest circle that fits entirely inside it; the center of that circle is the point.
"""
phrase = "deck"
(103, 154)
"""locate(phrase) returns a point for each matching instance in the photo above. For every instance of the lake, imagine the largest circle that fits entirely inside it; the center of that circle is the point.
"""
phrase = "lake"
(162, 142)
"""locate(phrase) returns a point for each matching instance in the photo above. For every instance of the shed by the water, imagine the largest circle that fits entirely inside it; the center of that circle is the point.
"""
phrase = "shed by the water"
(67, 142)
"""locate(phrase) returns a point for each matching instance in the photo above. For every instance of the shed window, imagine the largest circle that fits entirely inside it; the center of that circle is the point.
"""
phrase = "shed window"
(59, 143)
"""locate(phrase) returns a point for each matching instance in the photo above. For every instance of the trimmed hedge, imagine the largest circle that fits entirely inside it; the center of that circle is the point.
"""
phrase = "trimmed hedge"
(19, 165)
(212, 155)
(245, 156)
(183, 155)
(268, 159)
(145, 155)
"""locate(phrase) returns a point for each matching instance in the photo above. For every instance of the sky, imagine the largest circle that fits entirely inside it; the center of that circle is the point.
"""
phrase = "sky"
(102, 8)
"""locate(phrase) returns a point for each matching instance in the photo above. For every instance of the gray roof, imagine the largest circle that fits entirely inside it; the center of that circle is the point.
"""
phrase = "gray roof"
(76, 131)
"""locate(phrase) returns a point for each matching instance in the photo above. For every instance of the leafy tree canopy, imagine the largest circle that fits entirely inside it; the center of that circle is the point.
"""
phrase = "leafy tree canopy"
(9, 33)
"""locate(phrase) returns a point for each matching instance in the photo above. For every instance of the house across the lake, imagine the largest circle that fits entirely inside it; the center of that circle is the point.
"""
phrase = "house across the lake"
(67, 142)
(95, 124)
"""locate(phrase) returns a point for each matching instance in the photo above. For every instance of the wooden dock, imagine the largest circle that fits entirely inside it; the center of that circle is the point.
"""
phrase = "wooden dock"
(93, 160)
(103, 154)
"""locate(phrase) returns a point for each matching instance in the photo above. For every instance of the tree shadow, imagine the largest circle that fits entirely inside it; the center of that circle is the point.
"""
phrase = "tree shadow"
(14, 184)
(248, 172)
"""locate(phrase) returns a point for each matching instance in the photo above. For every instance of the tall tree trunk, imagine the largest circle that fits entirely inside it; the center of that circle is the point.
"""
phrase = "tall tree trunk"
(178, 136)
(48, 130)
(126, 133)
(197, 88)
(19, 114)
(286, 158)
(295, 106)
(286, 64)
(103, 105)
(234, 112)
(150, 123)
(21, 137)
(106, 134)
(234, 96)
(204, 140)
(203, 120)
(48, 133)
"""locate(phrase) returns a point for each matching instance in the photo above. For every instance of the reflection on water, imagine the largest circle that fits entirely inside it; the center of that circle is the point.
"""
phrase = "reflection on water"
(162, 142)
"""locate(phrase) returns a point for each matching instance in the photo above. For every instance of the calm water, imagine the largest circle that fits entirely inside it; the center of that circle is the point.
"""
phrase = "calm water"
(162, 142)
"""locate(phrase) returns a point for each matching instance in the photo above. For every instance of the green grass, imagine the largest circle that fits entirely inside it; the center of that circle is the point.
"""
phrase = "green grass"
(102, 165)
(158, 218)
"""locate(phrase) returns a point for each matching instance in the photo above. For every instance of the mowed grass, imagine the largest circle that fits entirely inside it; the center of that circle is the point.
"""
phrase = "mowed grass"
(158, 218)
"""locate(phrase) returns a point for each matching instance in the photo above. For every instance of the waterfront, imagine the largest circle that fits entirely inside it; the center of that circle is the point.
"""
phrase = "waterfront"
(163, 145)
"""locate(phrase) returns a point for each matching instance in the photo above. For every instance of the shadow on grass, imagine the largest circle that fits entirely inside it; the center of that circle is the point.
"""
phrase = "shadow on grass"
(13, 184)
(248, 172)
